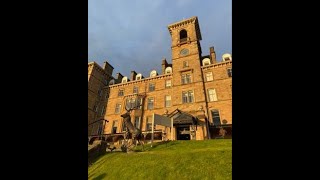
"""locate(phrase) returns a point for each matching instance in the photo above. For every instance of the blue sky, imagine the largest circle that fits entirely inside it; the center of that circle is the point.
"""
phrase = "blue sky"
(133, 34)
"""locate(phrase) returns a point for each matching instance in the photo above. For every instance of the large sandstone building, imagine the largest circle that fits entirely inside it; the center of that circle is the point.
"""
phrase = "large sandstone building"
(98, 92)
(194, 90)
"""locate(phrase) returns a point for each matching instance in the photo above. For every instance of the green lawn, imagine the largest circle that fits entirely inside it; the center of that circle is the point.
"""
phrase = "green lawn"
(208, 159)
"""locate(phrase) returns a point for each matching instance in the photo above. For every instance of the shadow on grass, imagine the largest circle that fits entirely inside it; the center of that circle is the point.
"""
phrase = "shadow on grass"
(147, 147)
(95, 160)
(101, 176)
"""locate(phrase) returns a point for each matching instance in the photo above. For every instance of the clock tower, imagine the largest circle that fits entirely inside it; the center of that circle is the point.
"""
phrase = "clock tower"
(186, 49)
(186, 62)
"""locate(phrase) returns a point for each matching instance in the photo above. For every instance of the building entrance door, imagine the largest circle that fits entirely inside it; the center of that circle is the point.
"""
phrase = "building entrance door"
(183, 133)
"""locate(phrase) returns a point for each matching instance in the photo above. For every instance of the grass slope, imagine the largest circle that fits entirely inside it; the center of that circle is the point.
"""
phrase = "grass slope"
(208, 159)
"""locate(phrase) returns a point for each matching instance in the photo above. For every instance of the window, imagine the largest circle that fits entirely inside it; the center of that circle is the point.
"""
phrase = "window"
(187, 97)
(168, 83)
(226, 57)
(151, 87)
(212, 95)
(230, 72)
(124, 79)
(209, 76)
(114, 127)
(102, 110)
(134, 103)
(128, 103)
(137, 122)
(135, 90)
(153, 73)
(167, 101)
(186, 78)
(118, 108)
(168, 70)
(111, 82)
(121, 92)
(215, 117)
(139, 103)
(206, 62)
(149, 123)
(150, 103)
(183, 36)
(139, 76)
(185, 64)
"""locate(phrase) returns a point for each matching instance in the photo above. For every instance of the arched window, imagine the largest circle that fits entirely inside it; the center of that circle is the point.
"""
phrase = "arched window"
(153, 73)
(206, 61)
(168, 70)
(226, 57)
(183, 35)
(124, 79)
(139, 76)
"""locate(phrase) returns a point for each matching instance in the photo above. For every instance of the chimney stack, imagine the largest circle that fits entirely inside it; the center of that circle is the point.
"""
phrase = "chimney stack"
(119, 77)
(164, 65)
(133, 75)
(213, 55)
(107, 68)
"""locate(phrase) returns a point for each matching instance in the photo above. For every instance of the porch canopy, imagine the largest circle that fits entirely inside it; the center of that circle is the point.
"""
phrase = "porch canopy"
(181, 117)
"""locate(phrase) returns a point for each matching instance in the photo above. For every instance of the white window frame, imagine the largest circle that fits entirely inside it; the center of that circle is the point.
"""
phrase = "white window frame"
(212, 95)
(121, 94)
(153, 73)
(186, 78)
(189, 96)
(168, 70)
(124, 79)
(154, 87)
(210, 77)
(135, 88)
(118, 108)
(150, 99)
(168, 83)
(167, 101)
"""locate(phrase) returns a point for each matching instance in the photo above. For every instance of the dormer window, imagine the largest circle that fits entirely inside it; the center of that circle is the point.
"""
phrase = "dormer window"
(139, 76)
(153, 73)
(206, 62)
(111, 82)
(124, 79)
(226, 57)
(168, 70)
